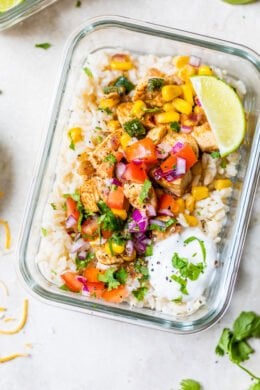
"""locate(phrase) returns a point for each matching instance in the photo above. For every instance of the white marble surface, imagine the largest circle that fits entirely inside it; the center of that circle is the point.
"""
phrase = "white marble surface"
(72, 351)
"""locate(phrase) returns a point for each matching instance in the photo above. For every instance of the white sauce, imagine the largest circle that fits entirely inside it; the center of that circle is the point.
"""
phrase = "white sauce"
(161, 268)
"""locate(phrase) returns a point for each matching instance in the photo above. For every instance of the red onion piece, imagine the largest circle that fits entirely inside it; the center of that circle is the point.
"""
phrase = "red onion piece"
(165, 212)
(177, 147)
(79, 245)
(180, 166)
(85, 291)
(186, 129)
(70, 222)
(116, 182)
(82, 255)
(137, 162)
(120, 170)
(194, 61)
(81, 279)
(163, 150)
(129, 247)
(169, 175)
(150, 210)
(140, 242)
(157, 222)
(197, 101)
(139, 222)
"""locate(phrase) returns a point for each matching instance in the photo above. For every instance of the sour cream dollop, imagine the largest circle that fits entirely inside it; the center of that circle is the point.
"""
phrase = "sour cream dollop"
(161, 268)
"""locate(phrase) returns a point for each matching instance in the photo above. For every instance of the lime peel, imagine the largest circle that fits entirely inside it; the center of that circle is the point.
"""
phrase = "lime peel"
(6, 5)
(224, 111)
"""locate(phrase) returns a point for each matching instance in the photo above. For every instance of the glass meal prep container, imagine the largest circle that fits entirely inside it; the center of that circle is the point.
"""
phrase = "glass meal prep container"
(141, 37)
(21, 12)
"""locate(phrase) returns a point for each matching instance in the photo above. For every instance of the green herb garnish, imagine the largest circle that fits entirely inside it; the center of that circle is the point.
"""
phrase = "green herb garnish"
(121, 275)
(53, 205)
(178, 299)
(109, 278)
(122, 81)
(64, 287)
(111, 159)
(215, 154)
(155, 84)
(190, 384)
(175, 126)
(106, 110)
(88, 72)
(151, 110)
(148, 250)
(144, 195)
(44, 46)
(135, 128)
(182, 282)
(141, 268)
(108, 221)
(202, 245)
(170, 222)
(140, 293)
(44, 231)
(81, 264)
(223, 163)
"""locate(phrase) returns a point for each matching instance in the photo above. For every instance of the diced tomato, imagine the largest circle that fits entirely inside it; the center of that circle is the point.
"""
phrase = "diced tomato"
(119, 156)
(91, 274)
(188, 154)
(116, 199)
(106, 233)
(72, 208)
(135, 172)
(72, 282)
(143, 150)
(169, 164)
(167, 202)
(96, 289)
(116, 295)
(89, 228)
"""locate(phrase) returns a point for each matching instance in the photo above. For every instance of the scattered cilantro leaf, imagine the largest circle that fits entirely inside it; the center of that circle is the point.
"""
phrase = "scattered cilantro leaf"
(88, 72)
(155, 84)
(64, 287)
(190, 384)
(81, 264)
(53, 205)
(223, 163)
(148, 250)
(109, 278)
(239, 351)
(123, 81)
(215, 154)
(224, 342)
(202, 245)
(44, 232)
(140, 293)
(44, 45)
(107, 220)
(141, 267)
(106, 110)
(246, 325)
(175, 126)
(178, 299)
(145, 190)
(182, 282)
(111, 159)
(168, 223)
(255, 386)
(135, 128)
(121, 275)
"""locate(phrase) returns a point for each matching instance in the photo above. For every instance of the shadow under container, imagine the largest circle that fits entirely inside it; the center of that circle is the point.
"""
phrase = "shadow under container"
(145, 38)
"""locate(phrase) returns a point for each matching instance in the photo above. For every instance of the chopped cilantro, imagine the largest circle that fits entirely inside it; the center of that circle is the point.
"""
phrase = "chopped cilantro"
(111, 88)
(135, 128)
(44, 46)
(83, 213)
(109, 278)
(182, 282)
(53, 205)
(178, 299)
(215, 154)
(151, 110)
(223, 163)
(107, 220)
(145, 190)
(44, 232)
(190, 384)
(88, 72)
(140, 293)
(148, 250)
(155, 84)
(202, 245)
(141, 267)
(111, 159)
(121, 275)
(170, 222)
(64, 287)
(106, 110)
(78, 4)
(123, 81)
(81, 264)
(175, 126)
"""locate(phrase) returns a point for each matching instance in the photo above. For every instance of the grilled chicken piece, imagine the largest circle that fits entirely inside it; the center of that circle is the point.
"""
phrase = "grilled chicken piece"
(205, 138)
(172, 138)
(106, 259)
(209, 168)
(132, 192)
(177, 187)
(124, 112)
(89, 195)
(156, 134)
(86, 169)
(110, 144)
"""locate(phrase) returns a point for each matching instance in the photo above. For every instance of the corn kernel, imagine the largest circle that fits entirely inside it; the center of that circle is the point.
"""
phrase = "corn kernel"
(169, 92)
(186, 72)
(198, 110)
(138, 108)
(168, 107)
(182, 106)
(219, 184)
(191, 220)
(187, 93)
(181, 205)
(112, 248)
(180, 61)
(75, 134)
(205, 70)
(108, 103)
(200, 192)
(121, 65)
(166, 117)
(190, 203)
(124, 140)
(113, 125)
(120, 213)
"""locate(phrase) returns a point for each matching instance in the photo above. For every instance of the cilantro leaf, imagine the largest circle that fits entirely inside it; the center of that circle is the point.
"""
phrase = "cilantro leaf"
(135, 128)
(175, 126)
(44, 46)
(141, 267)
(155, 84)
(88, 72)
(239, 351)
(145, 190)
(151, 110)
(246, 325)
(108, 221)
(121, 275)
(123, 81)
(109, 279)
(44, 231)
(190, 384)
(148, 250)
(81, 264)
(179, 262)
(224, 342)
(53, 205)
(106, 110)
(215, 154)
(140, 293)
(178, 299)
(64, 288)
(202, 245)
(110, 158)
(170, 222)
(255, 386)
(182, 282)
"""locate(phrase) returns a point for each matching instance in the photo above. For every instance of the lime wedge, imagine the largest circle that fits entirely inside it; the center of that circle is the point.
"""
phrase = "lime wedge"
(224, 111)
(5, 5)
